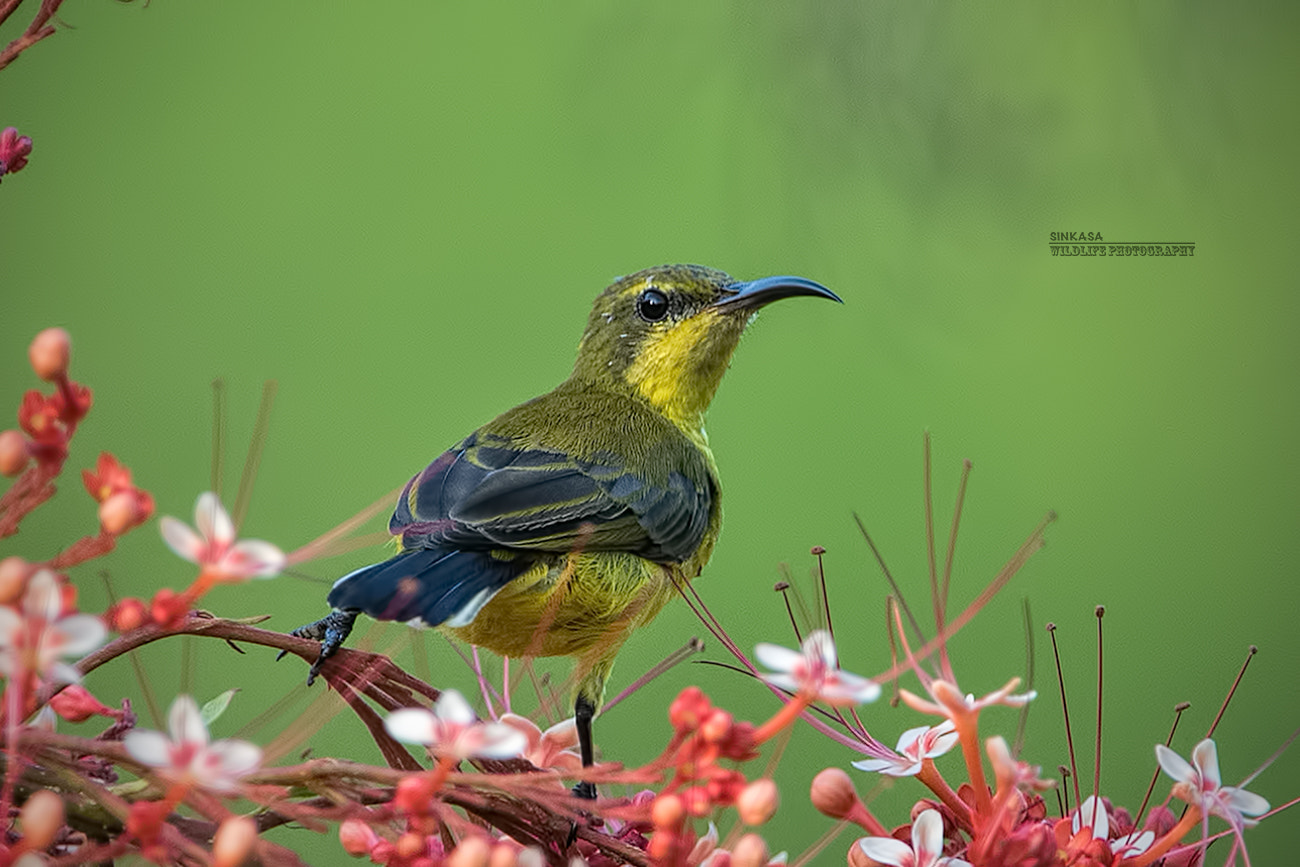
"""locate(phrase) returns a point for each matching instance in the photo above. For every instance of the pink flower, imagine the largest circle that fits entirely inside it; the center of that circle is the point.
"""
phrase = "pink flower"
(1198, 783)
(926, 849)
(551, 749)
(34, 640)
(187, 756)
(814, 671)
(451, 729)
(914, 746)
(14, 149)
(214, 547)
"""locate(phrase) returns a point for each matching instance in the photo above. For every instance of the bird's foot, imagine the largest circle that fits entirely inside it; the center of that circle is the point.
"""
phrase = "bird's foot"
(331, 631)
(585, 790)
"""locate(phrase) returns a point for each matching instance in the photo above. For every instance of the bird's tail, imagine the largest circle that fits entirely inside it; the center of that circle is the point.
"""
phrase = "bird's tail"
(426, 586)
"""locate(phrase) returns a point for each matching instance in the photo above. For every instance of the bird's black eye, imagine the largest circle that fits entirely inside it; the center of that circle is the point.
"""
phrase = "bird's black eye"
(652, 305)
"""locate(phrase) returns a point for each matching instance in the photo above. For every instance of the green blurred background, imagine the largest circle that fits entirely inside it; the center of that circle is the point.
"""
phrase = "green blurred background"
(402, 212)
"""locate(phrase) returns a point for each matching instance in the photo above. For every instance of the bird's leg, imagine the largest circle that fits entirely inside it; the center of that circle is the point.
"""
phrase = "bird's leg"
(331, 631)
(583, 711)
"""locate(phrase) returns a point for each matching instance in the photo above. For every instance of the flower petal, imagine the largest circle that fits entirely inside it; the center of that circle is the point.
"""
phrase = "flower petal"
(452, 707)
(148, 747)
(42, 598)
(185, 723)
(253, 558)
(927, 837)
(819, 647)
(908, 739)
(499, 741)
(782, 681)
(237, 757)
(1205, 756)
(1132, 844)
(887, 850)
(79, 634)
(413, 725)
(181, 539)
(776, 657)
(1175, 765)
(563, 734)
(213, 520)
(1092, 814)
(61, 672)
(1244, 802)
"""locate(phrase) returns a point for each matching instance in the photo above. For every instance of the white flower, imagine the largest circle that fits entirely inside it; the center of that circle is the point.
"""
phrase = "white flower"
(914, 746)
(926, 849)
(1092, 814)
(214, 547)
(452, 729)
(187, 756)
(814, 671)
(34, 640)
(1198, 783)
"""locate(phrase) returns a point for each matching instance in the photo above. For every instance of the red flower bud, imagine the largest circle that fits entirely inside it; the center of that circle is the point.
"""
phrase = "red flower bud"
(413, 794)
(833, 794)
(356, 837)
(472, 851)
(75, 704)
(233, 841)
(749, 851)
(126, 614)
(13, 453)
(757, 802)
(42, 817)
(14, 572)
(667, 811)
(49, 354)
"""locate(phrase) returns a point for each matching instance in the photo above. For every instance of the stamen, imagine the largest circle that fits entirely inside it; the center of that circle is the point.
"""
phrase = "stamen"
(690, 648)
(1155, 776)
(1240, 674)
(1065, 712)
(1096, 771)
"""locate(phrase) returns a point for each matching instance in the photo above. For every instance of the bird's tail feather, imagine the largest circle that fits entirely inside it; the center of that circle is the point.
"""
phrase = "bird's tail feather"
(426, 586)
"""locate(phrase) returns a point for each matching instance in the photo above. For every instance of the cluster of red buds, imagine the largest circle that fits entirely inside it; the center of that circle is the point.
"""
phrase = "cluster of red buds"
(38, 448)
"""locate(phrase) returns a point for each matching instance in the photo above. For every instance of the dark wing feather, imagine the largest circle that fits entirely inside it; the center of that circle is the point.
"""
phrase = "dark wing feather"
(435, 585)
(490, 493)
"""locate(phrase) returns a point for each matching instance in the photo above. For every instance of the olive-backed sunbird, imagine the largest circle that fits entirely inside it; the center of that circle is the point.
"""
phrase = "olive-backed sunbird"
(560, 526)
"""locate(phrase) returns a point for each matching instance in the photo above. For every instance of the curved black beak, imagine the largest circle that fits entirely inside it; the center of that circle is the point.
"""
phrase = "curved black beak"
(757, 293)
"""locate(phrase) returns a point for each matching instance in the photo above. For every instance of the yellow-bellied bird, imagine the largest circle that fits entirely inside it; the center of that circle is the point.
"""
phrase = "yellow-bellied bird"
(559, 527)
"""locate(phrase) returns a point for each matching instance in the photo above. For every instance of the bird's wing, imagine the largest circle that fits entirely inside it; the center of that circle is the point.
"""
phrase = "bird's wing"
(489, 492)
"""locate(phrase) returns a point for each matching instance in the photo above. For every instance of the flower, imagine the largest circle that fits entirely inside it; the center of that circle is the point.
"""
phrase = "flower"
(550, 749)
(34, 640)
(452, 729)
(814, 671)
(122, 504)
(951, 704)
(926, 849)
(914, 746)
(14, 149)
(188, 756)
(1198, 783)
(214, 547)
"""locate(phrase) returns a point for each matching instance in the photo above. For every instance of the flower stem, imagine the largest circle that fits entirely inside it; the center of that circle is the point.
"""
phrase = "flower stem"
(1168, 841)
(929, 776)
(782, 718)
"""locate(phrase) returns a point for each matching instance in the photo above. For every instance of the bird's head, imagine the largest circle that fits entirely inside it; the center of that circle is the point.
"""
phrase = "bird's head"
(667, 333)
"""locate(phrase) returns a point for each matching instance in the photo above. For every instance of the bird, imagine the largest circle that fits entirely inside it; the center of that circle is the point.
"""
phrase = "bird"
(563, 525)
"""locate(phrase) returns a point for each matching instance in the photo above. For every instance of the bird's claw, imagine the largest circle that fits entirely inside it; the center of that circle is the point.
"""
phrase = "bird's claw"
(331, 631)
